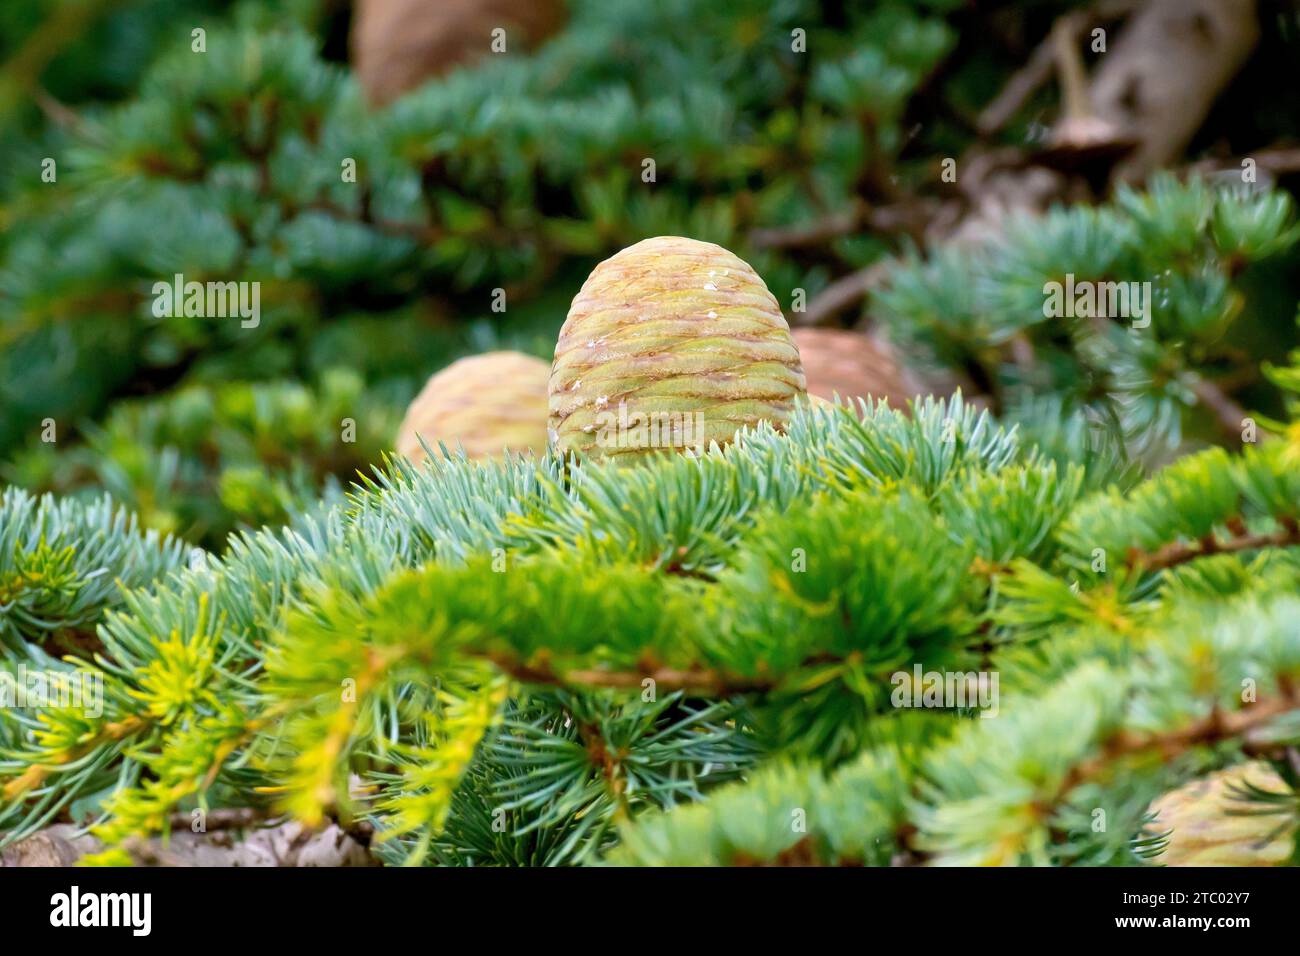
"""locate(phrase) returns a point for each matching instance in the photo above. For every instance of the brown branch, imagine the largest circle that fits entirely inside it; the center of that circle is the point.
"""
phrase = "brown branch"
(1217, 726)
(1179, 552)
(63, 115)
(807, 234)
(1040, 66)
(702, 680)
(910, 216)
(1228, 414)
(228, 818)
(1022, 85)
(842, 294)
(1276, 160)
(1073, 78)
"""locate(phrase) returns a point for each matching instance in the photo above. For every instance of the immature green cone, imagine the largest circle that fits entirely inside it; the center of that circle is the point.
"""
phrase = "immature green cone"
(1204, 833)
(486, 403)
(671, 343)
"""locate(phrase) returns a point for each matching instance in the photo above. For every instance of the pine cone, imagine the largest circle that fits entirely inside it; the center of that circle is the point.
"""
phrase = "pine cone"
(1204, 834)
(854, 365)
(671, 343)
(485, 403)
(398, 44)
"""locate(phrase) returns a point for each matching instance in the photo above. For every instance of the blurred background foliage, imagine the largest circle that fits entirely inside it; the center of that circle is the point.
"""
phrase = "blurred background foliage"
(519, 171)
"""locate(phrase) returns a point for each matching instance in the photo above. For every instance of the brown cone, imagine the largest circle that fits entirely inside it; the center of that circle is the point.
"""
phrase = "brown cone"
(853, 365)
(484, 403)
(398, 44)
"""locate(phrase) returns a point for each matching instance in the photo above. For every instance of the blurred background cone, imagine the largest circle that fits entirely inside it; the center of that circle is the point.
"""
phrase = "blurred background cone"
(485, 403)
(854, 365)
(398, 44)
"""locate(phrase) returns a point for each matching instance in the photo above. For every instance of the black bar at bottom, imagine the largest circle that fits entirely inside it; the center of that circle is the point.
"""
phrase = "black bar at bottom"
(380, 906)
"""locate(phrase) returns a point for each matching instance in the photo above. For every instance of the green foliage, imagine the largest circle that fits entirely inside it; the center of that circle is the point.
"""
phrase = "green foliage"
(982, 308)
(207, 459)
(63, 564)
(448, 658)
(519, 174)
(722, 658)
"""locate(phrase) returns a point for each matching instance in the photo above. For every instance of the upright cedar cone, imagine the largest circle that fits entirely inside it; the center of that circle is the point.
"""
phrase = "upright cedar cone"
(854, 365)
(485, 403)
(671, 343)
(398, 44)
